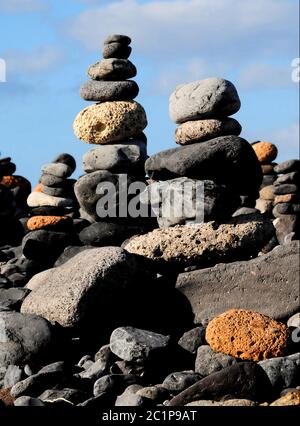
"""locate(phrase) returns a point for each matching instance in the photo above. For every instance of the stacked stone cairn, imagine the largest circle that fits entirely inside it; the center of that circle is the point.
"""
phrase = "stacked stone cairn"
(211, 153)
(287, 200)
(14, 191)
(52, 205)
(114, 123)
(266, 153)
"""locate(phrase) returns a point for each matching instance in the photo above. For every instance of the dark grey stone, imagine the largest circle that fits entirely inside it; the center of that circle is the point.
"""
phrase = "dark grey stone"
(243, 380)
(267, 284)
(208, 361)
(285, 189)
(114, 383)
(287, 166)
(59, 170)
(13, 297)
(27, 401)
(67, 159)
(109, 91)
(292, 177)
(283, 372)
(209, 160)
(181, 380)
(192, 339)
(116, 50)
(74, 396)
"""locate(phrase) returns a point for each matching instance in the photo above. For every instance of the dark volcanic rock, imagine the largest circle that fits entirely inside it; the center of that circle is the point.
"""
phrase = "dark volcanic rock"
(104, 91)
(242, 380)
(227, 160)
(268, 284)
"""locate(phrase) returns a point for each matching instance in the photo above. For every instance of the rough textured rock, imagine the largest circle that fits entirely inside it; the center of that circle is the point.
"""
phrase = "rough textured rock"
(247, 335)
(203, 130)
(38, 199)
(132, 344)
(109, 122)
(49, 222)
(104, 91)
(127, 157)
(112, 69)
(208, 160)
(267, 193)
(242, 380)
(266, 151)
(87, 284)
(23, 338)
(202, 244)
(208, 361)
(209, 98)
(267, 284)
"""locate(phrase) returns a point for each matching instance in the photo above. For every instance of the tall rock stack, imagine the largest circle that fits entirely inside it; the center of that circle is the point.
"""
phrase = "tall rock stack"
(114, 123)
(211, 151)
(266, 153)
(52, 206)
(287, 200)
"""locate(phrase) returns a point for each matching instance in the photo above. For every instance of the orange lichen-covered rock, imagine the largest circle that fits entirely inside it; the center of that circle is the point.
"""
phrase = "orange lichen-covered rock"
(42, 222)
(266, 152)
(247, 335)
(16, 181)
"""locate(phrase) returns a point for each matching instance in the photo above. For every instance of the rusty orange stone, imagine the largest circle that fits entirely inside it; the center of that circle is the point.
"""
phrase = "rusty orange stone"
(15, 182)
(41, 222)
(247, 335)
(266, 152)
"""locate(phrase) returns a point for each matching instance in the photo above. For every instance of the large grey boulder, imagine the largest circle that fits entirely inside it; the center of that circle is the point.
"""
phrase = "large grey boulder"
(88, 285)
(268, 284)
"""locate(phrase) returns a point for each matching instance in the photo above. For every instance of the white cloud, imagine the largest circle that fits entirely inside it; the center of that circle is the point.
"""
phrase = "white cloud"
(39, 60)
(20, 6)
(201, 28)
(287, 141)
(265, 76)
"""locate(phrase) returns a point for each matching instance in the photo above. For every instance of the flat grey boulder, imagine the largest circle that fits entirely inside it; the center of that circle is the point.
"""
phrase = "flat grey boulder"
(268, 284)
(87, 285)
(210, 98)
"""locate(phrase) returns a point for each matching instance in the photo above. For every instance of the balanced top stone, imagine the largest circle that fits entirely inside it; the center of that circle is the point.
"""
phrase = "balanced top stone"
(118, 38)
(67, 159)
(210, 98)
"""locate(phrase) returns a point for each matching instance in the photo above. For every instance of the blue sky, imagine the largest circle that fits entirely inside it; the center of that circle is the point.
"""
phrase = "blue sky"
(48, 45)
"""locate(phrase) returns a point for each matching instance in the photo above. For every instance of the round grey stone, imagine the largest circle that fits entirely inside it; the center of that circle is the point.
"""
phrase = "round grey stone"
(103, 91)
(125, 157)
(209, 98)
